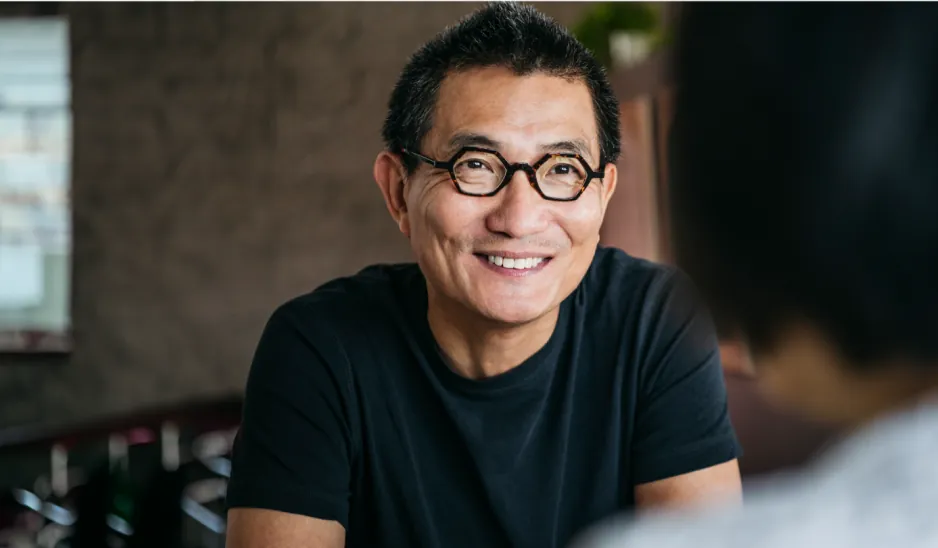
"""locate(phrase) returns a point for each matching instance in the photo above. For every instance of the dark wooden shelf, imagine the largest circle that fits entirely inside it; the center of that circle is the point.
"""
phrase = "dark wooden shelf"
(206, 413)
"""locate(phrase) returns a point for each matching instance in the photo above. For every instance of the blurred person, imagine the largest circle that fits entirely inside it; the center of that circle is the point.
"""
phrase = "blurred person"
(517, 383)
(805, 181)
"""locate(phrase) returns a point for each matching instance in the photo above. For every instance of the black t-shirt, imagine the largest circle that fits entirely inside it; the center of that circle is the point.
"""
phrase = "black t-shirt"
(351, 413)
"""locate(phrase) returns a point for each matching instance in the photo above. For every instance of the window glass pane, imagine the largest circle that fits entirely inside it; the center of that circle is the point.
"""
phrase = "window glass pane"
(35, 173)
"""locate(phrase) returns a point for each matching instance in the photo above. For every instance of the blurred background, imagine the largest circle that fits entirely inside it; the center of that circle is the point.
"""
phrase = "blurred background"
(170, 173)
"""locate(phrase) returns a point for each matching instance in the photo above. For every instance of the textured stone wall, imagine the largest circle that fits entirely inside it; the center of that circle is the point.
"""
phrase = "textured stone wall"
(222, 164)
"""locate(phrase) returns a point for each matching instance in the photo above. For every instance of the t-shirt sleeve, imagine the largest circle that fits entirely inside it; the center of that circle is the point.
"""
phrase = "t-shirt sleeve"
(682, 421)
(293, 450)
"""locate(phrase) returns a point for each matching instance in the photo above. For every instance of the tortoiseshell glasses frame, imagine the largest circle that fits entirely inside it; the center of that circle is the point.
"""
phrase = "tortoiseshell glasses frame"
(531, 170)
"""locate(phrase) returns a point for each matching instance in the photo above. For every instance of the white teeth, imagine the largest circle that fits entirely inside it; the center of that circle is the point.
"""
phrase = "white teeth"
(517, 264)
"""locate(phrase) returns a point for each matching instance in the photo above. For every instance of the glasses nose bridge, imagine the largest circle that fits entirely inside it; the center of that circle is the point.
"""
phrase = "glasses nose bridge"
(525, 168)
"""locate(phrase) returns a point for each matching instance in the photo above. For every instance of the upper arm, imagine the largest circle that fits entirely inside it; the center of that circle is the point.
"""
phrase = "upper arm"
(293, 451)
(254, 528)
(716, 483)
(684, 445)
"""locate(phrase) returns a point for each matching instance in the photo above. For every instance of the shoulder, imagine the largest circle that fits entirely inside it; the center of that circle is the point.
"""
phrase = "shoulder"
(343, 314)
(372, 292)
(614, 270)
(614, 263)
(619, 283)
(310, 342)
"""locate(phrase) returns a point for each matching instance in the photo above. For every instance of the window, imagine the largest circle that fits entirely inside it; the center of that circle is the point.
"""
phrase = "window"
(35, 172)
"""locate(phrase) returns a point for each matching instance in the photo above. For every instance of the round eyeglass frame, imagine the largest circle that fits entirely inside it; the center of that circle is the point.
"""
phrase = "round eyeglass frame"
(529, 169)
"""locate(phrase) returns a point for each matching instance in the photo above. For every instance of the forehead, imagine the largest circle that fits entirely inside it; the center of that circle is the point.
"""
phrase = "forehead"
(519, 111)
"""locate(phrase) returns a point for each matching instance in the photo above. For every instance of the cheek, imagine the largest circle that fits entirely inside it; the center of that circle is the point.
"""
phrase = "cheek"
(798, 379)
(582, 221)
(779, 382)
(447, 217)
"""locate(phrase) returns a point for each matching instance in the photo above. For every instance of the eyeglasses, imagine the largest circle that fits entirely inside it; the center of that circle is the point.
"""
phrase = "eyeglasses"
(482, 172)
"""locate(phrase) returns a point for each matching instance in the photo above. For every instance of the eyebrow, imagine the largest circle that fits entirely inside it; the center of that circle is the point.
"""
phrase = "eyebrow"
(577, 146)
(460, 140)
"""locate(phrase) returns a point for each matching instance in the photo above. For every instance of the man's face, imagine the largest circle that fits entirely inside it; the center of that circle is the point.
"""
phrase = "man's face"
(456, 237)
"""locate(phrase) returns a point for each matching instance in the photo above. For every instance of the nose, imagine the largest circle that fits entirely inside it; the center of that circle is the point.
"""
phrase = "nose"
(520, 211)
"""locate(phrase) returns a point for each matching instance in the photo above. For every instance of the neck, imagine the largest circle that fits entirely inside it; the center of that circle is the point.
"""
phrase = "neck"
(478, 348)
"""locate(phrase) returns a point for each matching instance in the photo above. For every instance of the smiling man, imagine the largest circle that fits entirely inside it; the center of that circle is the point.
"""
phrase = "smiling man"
(518, 383)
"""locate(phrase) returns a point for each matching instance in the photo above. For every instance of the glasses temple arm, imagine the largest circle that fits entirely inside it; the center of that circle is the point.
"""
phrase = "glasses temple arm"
(425, 159)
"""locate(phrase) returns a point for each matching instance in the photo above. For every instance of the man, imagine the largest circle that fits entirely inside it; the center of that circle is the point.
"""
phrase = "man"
(806, 188)
(516, 384)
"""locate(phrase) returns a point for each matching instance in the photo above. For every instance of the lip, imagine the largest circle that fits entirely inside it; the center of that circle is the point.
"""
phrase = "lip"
(512, 272)
(516, 255)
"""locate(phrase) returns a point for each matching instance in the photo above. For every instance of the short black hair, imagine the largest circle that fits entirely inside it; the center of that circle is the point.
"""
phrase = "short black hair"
(804, 172)
(505, 34)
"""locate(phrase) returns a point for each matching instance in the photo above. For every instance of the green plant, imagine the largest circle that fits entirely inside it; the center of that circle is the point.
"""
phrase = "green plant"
(605, 18)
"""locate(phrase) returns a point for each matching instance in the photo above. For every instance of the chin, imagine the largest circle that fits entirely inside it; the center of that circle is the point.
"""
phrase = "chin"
(514, 315)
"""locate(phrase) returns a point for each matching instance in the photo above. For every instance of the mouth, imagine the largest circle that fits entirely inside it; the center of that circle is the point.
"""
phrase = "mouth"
(514, 264)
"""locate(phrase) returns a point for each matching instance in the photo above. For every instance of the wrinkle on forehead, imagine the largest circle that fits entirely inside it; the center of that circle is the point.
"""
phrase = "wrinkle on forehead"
(462, 139)
(516, 115)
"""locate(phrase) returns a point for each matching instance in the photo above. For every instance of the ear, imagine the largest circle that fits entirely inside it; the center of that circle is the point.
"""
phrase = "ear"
(610, 178)
(390, 175)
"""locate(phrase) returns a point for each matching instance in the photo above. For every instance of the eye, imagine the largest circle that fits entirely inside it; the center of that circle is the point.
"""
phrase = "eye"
(562, 169)
(475, 164)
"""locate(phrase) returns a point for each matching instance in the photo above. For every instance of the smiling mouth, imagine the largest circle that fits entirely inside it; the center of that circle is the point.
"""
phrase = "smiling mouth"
(514, 264)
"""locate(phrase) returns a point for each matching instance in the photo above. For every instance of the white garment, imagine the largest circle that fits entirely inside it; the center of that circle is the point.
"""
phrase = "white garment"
(879, 488)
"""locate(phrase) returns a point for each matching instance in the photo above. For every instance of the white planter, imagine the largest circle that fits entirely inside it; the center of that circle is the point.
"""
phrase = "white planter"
(629, 48)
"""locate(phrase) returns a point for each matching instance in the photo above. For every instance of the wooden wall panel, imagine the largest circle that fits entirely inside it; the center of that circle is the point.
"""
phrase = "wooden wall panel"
(632, 220)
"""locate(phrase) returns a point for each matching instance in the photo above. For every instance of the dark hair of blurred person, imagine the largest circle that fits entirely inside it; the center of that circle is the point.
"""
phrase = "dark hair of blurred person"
(805, 199)
(805, 192)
